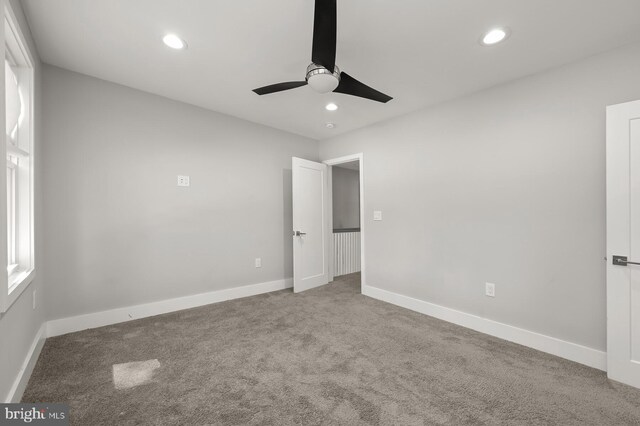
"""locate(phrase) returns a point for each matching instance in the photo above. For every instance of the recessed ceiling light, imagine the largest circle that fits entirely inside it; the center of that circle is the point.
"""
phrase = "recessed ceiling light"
(495, 36)
(331, 107)
(174, 42)
(330, 125)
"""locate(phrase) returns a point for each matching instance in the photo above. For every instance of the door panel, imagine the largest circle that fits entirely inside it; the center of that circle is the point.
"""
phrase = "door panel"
(310, 213)
(634, 237)
(623, 239)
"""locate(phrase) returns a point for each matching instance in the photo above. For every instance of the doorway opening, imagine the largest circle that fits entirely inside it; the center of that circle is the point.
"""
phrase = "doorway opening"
(346, 220)
(315, 261)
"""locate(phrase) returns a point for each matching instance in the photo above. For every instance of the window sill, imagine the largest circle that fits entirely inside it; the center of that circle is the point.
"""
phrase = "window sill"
(18, 282)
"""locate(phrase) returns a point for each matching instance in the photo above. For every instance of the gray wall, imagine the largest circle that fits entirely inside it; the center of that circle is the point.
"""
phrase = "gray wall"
(20, 324)
(504, 186)
(346, 198)
(119, 230)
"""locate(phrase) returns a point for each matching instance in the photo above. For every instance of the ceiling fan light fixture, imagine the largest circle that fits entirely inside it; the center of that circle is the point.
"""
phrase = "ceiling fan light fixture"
(321, 79)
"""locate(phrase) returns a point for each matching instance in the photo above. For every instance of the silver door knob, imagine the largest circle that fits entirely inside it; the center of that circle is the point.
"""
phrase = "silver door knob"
(299, 233)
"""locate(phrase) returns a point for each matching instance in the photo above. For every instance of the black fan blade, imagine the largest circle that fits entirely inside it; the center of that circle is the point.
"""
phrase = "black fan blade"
(279, 87)
(350, 86)
(323, 51)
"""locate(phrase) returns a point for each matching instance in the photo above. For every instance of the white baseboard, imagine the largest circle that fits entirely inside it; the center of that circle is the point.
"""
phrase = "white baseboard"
(114, 316)
(571, 351)
(22, 379)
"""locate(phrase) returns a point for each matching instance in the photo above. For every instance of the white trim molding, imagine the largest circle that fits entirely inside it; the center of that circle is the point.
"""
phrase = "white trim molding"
(99, 319)
(22, 378)
(551, 345)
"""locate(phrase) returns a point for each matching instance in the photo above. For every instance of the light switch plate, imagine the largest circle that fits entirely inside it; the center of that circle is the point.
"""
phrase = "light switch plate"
(183, 180)
(377, 215)
(490, 289)
(258, 262)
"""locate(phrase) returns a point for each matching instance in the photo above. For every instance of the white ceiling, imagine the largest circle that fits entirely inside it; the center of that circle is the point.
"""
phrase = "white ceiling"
(420, 52)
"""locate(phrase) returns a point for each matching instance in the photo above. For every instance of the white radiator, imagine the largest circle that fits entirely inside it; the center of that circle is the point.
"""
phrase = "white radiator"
(346, 253)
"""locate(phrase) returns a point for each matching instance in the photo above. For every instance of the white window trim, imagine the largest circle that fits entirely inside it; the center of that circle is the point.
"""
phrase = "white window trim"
(15, 284)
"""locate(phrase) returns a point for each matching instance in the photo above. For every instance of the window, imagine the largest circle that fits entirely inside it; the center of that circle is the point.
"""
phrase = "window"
(18, 84)
(13, 113)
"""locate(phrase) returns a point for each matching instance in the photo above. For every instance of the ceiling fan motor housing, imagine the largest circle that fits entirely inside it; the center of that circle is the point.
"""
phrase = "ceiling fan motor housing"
(321, 79)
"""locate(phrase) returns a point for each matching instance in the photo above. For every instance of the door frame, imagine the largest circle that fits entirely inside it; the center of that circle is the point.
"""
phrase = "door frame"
(334, 162)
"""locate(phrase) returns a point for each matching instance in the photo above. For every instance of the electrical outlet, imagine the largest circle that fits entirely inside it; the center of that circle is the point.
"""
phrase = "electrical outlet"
(183, 180)
(33, 298)
(490, 289)
(258, 262)
(377, 215)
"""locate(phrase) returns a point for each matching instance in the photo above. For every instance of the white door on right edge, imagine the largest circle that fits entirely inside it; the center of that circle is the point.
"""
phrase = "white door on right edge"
(623, 243)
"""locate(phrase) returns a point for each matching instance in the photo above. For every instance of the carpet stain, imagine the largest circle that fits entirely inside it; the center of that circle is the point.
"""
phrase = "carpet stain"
(327, 356)
(131, 374)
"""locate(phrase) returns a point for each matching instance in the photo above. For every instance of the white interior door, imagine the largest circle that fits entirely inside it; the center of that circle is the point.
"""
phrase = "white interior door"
(623, 243)
(310, 224)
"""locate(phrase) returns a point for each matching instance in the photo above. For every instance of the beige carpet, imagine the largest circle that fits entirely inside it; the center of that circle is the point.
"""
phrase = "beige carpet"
(326, 356)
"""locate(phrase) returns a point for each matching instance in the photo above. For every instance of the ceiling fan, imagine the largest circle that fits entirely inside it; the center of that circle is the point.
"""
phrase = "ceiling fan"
(323, 75)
